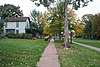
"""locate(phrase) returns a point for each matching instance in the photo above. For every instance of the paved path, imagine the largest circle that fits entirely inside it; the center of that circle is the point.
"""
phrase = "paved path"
(49, 57)
(91, 47)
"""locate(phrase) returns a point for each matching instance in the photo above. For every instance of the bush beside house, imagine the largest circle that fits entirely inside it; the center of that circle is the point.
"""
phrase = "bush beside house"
(19, 36)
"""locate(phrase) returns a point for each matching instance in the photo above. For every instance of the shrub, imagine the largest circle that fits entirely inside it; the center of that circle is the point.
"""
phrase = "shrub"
(19, 36)
(26, 36)
(1, 36)
(10, 35)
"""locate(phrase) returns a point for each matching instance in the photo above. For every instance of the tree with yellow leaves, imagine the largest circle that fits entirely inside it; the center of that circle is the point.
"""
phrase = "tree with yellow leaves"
(44, 24)
(79, 28)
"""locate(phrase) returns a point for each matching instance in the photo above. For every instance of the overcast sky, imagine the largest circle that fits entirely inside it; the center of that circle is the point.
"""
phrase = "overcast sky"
(27, 6)
(92, 8)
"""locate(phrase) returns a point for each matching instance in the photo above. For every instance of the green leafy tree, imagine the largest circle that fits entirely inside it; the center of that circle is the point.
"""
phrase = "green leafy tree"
(1, 25)
(37, 17)
(36, 30)
(55, 21)
(75, 3)
(96, 26)
(56, 16)
(8, 10)
(87, 19)
(40, 29)
(34, 15)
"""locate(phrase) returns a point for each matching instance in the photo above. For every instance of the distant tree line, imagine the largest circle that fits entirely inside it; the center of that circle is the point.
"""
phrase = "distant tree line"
(91, 28)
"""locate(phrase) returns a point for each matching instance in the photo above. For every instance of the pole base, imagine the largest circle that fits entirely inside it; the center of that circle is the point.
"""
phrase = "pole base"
(67, 45)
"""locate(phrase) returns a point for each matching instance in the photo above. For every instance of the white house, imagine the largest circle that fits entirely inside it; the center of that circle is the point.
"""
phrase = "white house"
(16, 25)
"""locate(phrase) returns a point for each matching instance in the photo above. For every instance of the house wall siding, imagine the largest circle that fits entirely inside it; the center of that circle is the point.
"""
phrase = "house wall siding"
(21, 28)
(11, 25)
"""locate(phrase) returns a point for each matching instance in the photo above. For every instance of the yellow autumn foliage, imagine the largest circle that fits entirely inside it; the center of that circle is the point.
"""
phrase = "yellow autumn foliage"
(79, 29)
(44, 23)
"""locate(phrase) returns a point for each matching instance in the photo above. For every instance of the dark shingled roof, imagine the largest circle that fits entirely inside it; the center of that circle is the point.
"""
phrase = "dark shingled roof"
(17, 19)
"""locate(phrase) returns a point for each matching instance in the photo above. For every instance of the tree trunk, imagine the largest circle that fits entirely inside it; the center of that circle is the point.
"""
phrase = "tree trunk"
(66, 35)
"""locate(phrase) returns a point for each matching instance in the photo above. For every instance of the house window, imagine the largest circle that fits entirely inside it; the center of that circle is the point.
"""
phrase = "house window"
(17, 31)
(5, 24)
(17, 24)
(10, 30)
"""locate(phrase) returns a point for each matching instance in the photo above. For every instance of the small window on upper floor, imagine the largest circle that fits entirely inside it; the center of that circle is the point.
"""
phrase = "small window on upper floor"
(17, 24)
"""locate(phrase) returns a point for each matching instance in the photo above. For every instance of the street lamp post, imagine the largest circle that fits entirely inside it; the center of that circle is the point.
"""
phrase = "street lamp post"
(71, 33)
(71, 37)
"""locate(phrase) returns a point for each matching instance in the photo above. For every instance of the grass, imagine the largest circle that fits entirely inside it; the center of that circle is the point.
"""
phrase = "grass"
(77, 56)
(20, 52)
(95, 43)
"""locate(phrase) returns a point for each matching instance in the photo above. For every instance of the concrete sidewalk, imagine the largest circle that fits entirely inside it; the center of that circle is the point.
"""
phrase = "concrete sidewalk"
(91, 47)
(49, 57)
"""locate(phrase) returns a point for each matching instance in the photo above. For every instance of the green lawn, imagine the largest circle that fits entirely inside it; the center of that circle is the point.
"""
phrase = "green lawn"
(20, 52)
(95, 43)
(77, 56)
